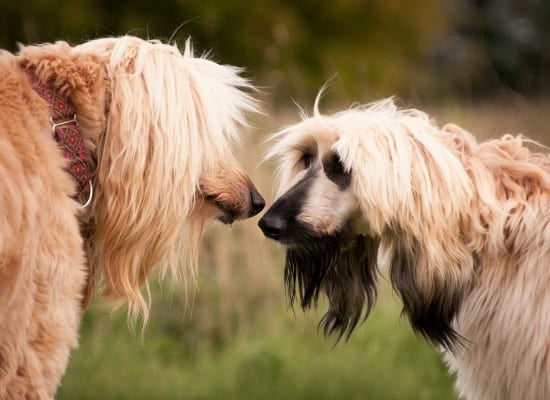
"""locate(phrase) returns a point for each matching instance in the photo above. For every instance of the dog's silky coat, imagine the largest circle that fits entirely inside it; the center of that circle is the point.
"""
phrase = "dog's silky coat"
(158, 125)
(463, 226)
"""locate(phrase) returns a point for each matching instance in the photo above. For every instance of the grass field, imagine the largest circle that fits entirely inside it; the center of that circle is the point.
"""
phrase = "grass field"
(279, 357)
(235, 338)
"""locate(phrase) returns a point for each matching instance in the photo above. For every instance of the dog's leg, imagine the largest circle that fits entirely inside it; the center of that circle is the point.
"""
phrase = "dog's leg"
(42, 270)
(41, 281)
(59, 283)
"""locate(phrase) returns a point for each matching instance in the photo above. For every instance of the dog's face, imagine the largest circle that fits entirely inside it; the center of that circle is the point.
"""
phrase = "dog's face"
(317, 201)
(315, 218)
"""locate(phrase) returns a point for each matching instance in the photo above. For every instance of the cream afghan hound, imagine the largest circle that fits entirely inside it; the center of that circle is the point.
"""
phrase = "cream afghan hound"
(462, 225)
(115, 153)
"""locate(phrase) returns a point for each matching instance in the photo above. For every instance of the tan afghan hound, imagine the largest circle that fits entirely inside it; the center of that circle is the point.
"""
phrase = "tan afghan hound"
(114, 154)
(462, 225)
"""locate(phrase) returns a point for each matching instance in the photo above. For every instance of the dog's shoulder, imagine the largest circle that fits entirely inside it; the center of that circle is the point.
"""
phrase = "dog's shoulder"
(15, 91)
(9, 70)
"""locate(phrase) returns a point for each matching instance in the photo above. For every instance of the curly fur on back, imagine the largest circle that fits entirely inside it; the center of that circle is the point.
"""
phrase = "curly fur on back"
(159, 126)
(462, 225)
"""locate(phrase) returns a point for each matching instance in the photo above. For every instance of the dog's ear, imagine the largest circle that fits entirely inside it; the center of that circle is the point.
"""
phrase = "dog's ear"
(171, 117)
(431, 293)
(140, 190)
(413, 187)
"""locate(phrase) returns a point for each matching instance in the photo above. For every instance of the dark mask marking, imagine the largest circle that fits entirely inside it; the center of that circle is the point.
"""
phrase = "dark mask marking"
(335, 171)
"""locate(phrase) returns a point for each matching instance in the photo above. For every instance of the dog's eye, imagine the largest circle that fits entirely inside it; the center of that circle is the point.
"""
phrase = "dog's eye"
(335, 170)
(306, 153)
(306, 160)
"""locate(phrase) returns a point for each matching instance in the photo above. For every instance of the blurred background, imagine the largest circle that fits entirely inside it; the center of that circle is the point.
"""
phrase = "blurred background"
(483, 64)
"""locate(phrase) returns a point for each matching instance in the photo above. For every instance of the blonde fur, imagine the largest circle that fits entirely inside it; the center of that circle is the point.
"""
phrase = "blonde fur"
(159, 126)
(163, 163)
(463, 227)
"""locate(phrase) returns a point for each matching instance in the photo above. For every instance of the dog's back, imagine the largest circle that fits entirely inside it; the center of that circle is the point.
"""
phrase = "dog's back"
(41, 256)
(506, 322)
(505, 319)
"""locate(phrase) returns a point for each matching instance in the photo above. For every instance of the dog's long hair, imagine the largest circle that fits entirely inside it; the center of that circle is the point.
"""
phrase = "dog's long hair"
(376, 185)
(159, 124)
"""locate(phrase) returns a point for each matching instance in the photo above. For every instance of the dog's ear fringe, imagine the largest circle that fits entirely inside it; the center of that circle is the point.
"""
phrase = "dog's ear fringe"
(431, 300)
(150, 160)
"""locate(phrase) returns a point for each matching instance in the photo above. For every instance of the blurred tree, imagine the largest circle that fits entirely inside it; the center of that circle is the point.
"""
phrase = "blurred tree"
(375, 47)
(497, 43)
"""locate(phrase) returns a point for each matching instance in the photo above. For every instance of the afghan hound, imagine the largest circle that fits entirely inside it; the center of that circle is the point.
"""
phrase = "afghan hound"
(115, 154)
(462, 226)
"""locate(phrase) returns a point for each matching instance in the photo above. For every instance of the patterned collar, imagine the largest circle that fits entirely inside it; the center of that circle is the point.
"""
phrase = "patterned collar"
(66, 131)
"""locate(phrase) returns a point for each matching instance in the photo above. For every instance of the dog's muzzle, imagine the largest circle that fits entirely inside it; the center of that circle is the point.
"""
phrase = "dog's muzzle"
(280, 221)
(256, 203)
(272, 225)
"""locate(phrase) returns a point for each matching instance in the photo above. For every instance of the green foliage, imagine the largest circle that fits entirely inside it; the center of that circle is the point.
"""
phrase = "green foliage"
(290, 48)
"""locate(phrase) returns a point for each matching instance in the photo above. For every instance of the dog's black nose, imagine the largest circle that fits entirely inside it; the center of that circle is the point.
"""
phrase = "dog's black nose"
(257, 201)
(272, 226)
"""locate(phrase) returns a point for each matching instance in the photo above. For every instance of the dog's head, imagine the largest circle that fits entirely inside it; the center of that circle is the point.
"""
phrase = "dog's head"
(363, 186)
(312, 217)
(160, 124)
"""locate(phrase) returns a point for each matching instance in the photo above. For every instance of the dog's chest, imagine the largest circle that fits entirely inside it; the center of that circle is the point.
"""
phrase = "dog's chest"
(506, 321)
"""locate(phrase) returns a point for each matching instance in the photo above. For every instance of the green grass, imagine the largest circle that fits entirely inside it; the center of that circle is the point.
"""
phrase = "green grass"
(279, 356)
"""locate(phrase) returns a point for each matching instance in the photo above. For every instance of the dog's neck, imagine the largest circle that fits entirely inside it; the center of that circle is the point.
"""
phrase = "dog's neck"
(66, 131)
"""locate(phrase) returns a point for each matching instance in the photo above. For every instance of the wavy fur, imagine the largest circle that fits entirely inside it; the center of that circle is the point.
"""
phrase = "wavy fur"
(162, 154)
(462, 225)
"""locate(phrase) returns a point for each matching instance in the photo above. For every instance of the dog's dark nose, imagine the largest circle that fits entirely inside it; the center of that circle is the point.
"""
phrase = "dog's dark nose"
(272, 226)
(257, 201)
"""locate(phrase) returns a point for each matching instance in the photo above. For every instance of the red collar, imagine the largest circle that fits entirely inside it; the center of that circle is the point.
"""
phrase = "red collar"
(65, 130)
